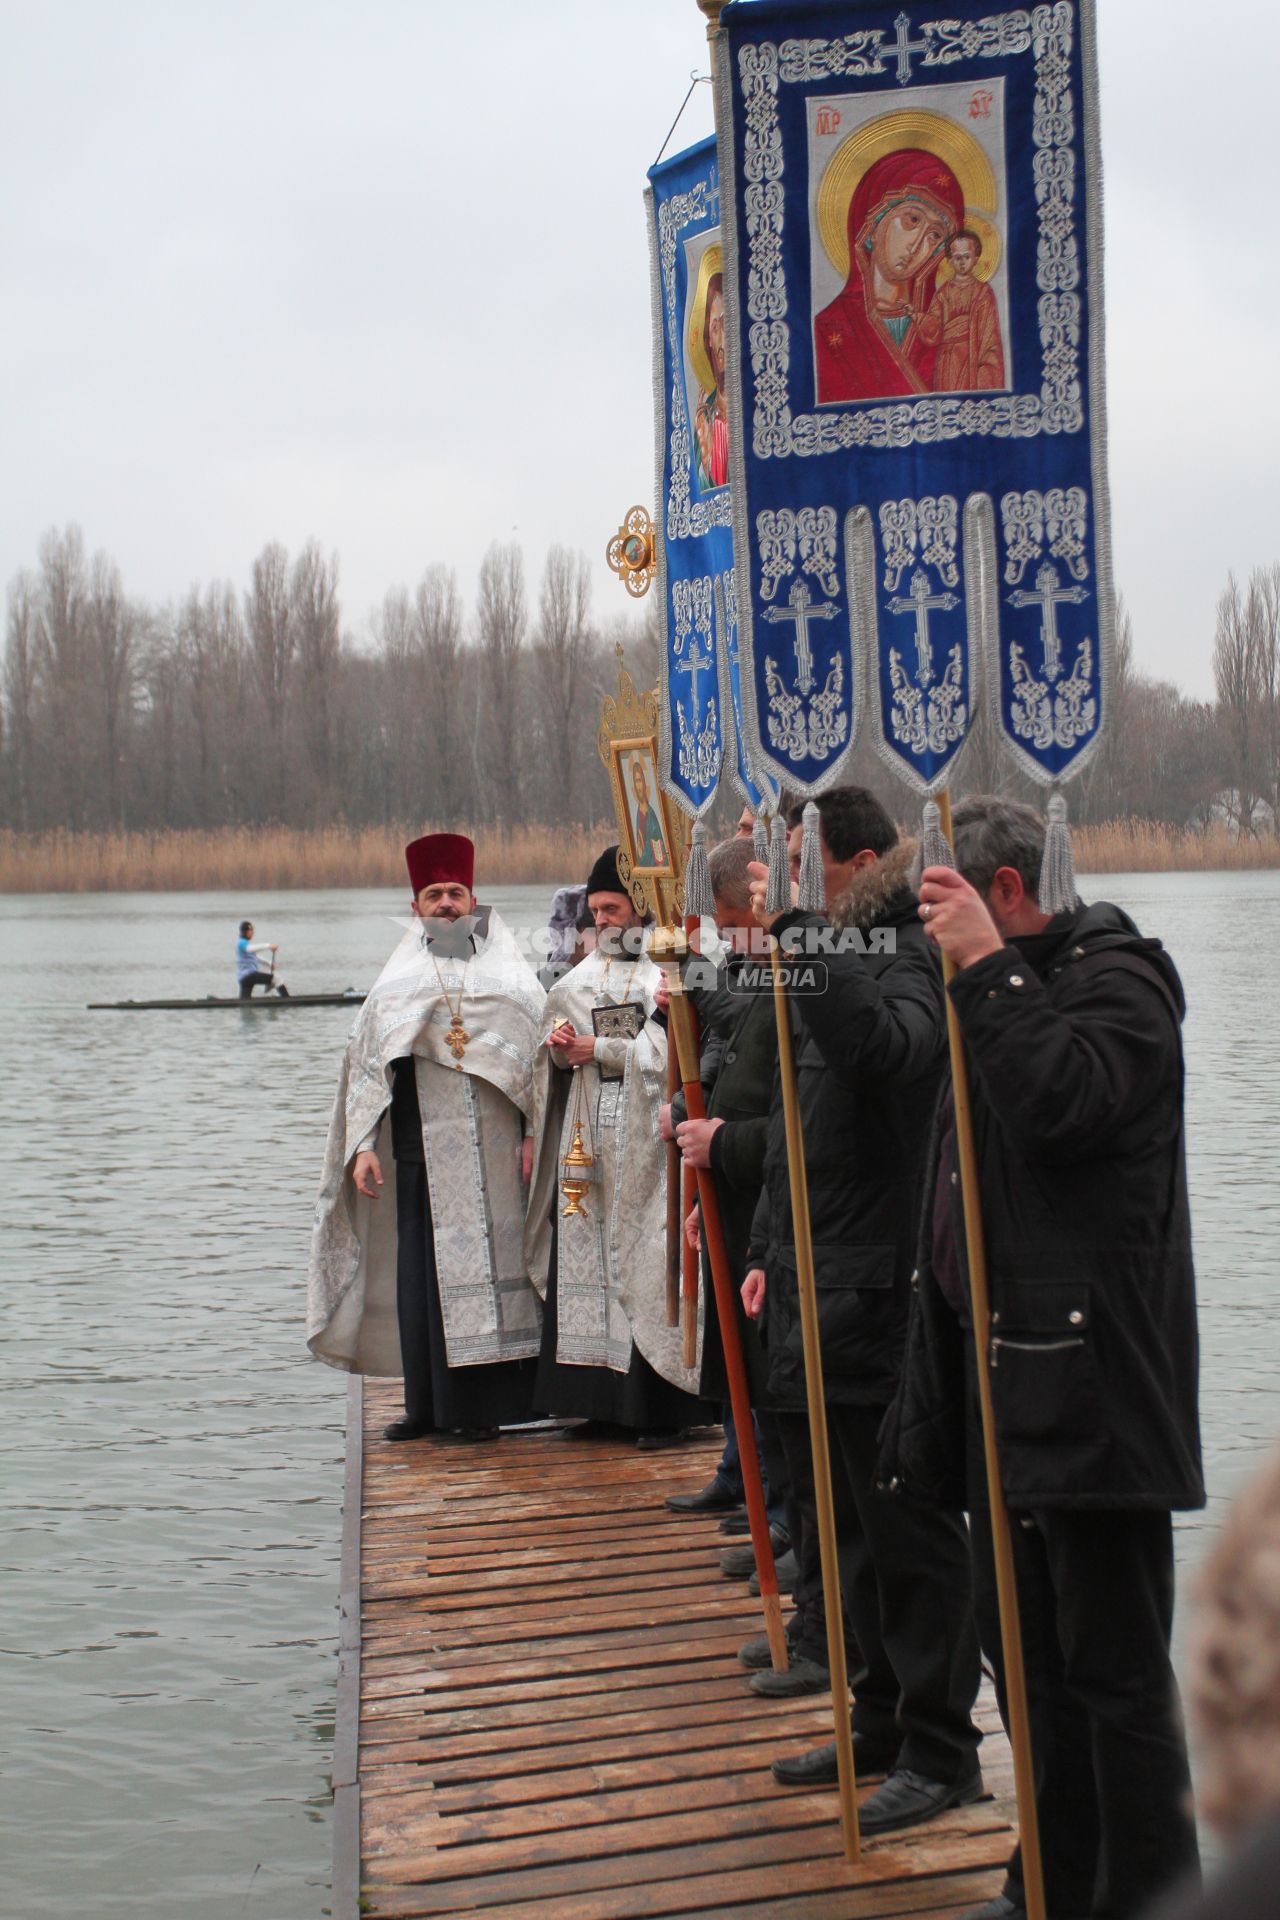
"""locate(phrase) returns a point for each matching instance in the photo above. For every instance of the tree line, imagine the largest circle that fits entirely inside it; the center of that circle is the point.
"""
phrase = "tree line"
(256, 706)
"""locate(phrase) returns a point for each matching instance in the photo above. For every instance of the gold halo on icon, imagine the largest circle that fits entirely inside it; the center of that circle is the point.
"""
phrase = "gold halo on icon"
(712, 262)
(988, 259)
(933, 133)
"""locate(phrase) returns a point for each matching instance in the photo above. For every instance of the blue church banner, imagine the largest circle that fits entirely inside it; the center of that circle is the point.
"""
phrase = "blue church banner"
(915, 421)
(700, 695)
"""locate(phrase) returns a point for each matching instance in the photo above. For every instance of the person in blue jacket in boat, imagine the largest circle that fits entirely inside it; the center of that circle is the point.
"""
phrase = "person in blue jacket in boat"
(249, 972)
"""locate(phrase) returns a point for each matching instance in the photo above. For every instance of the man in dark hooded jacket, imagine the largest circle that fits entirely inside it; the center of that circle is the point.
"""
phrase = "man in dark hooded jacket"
(870, 1049)
(1072, 1029)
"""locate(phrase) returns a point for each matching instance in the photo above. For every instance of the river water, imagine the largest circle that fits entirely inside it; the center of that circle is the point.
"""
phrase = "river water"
(172, 1456)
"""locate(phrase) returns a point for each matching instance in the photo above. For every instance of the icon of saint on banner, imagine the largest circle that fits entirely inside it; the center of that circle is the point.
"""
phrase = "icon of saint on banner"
(648, 848)
(704, 347)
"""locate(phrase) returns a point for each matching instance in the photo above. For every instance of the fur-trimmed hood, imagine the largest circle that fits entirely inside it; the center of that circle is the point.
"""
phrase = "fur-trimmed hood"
(879, 893)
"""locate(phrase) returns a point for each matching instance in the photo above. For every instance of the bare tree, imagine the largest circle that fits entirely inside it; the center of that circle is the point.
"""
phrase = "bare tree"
(562, 650)
(1237, 678)
(211, 646)
(1264, 621)
(501, 621)
(111, 627)
(316, 623)
(269, 622)
(60, 663)
(438, 758)
(20, 692)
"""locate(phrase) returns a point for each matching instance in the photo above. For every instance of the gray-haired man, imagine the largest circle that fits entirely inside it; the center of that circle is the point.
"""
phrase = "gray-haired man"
(1072, 1026)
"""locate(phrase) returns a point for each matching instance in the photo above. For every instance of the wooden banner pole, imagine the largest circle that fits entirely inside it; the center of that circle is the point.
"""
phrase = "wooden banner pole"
(691, 1288)
(1015, 1678)
(683, 1029)
(675, 1213)
(803, 1236)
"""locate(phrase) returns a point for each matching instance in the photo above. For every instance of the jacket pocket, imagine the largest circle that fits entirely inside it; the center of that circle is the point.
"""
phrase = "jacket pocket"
(853, 1285)
(1042, 1366)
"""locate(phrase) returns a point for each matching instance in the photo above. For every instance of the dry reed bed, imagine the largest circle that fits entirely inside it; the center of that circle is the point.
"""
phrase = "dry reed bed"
(237, 859)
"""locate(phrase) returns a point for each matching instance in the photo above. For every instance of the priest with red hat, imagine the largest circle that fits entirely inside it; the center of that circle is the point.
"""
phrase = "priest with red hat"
(417, 1264)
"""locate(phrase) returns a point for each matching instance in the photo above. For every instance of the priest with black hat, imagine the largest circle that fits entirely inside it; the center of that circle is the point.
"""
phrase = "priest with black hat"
(417, 1263)
(596, 1232)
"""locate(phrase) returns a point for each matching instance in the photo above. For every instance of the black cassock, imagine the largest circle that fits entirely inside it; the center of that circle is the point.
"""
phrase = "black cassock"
(638, 1398)
(436, 1394)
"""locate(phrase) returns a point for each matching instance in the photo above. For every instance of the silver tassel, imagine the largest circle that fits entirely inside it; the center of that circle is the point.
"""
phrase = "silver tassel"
(760, 840)
(698, 901)
(813, 892)
(778, 896)
(1056, 890)
(934, 851)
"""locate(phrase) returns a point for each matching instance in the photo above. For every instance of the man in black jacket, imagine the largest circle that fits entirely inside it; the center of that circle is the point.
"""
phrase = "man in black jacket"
(739, 1053)
(870, 1054)
(1072, 1028)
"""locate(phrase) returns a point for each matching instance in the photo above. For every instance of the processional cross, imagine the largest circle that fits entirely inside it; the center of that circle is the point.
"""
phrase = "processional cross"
(801, 610)
(921, 603)
(1047, 596)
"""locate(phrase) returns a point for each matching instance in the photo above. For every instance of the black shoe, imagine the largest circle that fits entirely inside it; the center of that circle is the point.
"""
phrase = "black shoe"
(802, 1676)
(908, 1799)
(469, 1433)
(715, 1497)
(283, 991)
(787, 1568)
(1001, 1908)
(818, 1767)
(739, 1563)
(757, 1652)
(407, 1429)
(591, 1430)
(660, 1437)
(736, 1523)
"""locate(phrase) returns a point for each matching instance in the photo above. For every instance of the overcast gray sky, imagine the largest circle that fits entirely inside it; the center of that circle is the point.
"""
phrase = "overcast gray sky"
(378, 274)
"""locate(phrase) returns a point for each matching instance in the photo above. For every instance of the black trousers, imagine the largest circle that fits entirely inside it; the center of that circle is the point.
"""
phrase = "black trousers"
(807, 1626)
(906, 1581)
(1113, 1789)
(252, 980)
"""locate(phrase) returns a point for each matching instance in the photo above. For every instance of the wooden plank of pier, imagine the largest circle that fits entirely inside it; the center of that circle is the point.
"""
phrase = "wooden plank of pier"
(541, 1715)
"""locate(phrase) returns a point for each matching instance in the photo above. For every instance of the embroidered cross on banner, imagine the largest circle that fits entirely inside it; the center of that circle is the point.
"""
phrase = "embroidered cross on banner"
(921, 603)
(1047, 596)
(695, 666)
(801, 611)
(904, 47)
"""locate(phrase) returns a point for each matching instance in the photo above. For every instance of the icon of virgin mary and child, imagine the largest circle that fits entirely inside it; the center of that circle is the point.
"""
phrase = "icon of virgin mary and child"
(916, 314)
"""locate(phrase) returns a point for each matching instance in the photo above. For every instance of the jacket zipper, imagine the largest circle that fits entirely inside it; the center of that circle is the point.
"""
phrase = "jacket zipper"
(1030, 1346)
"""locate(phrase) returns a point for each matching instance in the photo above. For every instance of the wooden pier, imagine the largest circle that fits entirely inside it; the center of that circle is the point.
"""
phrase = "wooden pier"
(541, 1716)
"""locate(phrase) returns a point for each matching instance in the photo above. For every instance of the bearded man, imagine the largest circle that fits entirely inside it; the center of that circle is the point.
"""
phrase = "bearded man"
(607, 1351)
(417, 1261)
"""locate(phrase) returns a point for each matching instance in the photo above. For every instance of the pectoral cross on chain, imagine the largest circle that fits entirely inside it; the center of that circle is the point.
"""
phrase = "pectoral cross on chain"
(696, 665)
(456, 1039)
(921, 603)
(1047, 596)
(801, 610)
